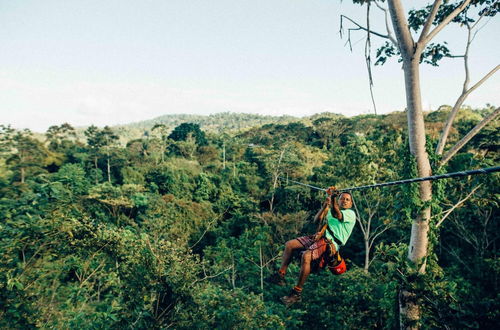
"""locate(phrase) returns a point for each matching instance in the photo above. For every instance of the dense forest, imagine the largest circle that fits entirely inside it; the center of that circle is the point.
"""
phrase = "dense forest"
(177, 227)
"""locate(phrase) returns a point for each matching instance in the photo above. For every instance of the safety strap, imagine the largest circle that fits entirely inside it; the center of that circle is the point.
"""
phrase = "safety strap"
(334, 237)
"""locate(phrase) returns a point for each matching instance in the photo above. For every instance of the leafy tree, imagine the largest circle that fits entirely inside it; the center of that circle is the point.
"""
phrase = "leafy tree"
(60, 136)
(183, 131)
(187, 243)
(100, 143)
(427, 22)
(163, 138)
(26, 156)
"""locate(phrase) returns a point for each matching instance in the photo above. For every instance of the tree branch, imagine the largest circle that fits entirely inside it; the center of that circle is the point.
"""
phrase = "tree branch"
(469, 136)
(386, 19)
(400, 24)
(208, 227)
(447, 213)
(361, 27)
(378, 234)
(465, 93)
(429, 21)
(358, 217)
(445, 22)
(480, 82)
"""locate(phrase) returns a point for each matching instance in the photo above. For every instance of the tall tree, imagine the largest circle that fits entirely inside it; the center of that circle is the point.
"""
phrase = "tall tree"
(110, 140)
(100, 142)
(59, 136)
(427, 23)
(184, 130)
(162, 130)
(24, 154)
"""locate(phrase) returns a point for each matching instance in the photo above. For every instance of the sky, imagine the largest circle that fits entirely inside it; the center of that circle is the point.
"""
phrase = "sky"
(120, 61)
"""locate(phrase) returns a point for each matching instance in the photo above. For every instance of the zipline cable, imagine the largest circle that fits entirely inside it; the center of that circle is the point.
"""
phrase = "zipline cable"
(392, 183)
(303, 184)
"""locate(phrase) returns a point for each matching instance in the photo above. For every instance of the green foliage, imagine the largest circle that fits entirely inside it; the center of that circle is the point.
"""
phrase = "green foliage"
(60, 137)
(235, 309)
(179, 237)
(131, 175)
(417, 18)
(353, 300)
(73, 177)
(184, 130)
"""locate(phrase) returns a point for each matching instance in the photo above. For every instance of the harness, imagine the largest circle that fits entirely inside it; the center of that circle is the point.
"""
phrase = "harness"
(330, 231)
(334, 262)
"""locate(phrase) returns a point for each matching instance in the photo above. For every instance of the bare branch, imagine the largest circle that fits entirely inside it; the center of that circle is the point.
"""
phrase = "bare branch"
(465, 91)
(447, 213)
(445, 22)
(362, 27)
(429, 21)
(358, 217)
(469, 136)
(386, 18)
(378, 234)
(210, 276)
(101, 265)
(368, 47)
(263, 265)
(478, 20)
(480, 82)
(214, 220)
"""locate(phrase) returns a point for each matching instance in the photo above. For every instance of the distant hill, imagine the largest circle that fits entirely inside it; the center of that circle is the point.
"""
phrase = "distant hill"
(215, 123)
(228, 122)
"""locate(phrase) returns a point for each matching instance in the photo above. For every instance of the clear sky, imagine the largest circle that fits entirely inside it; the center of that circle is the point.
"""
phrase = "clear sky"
(118, 61)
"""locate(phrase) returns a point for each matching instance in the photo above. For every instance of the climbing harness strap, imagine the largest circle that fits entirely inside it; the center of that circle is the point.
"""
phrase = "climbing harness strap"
(330, 231)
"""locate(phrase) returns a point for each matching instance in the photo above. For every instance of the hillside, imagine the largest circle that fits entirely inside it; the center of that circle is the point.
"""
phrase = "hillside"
(215, 123)
(181, 232)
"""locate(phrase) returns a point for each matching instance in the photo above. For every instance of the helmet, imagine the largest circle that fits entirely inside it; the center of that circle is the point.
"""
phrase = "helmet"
(339, 268)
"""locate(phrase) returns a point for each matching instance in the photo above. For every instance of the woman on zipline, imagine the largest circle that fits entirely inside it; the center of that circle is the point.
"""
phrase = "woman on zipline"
(321, 249)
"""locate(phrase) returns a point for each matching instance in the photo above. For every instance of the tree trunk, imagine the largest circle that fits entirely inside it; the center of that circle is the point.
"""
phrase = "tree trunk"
(367, 254)
(261, 272)
(416, 131)
(224, 155)
(417, 249)
(275, 180)
(22, 174)
(109, 169)
(95, 164)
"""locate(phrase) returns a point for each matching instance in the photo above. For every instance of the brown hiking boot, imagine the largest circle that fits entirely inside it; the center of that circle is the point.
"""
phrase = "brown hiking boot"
(292, 298)
(277, 279)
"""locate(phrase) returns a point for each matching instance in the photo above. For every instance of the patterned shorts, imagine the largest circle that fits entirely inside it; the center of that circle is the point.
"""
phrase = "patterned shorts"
(320, 251)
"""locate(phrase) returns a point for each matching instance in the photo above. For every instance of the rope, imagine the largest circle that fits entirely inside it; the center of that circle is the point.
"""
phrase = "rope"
(427, 178)
(302, 184)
